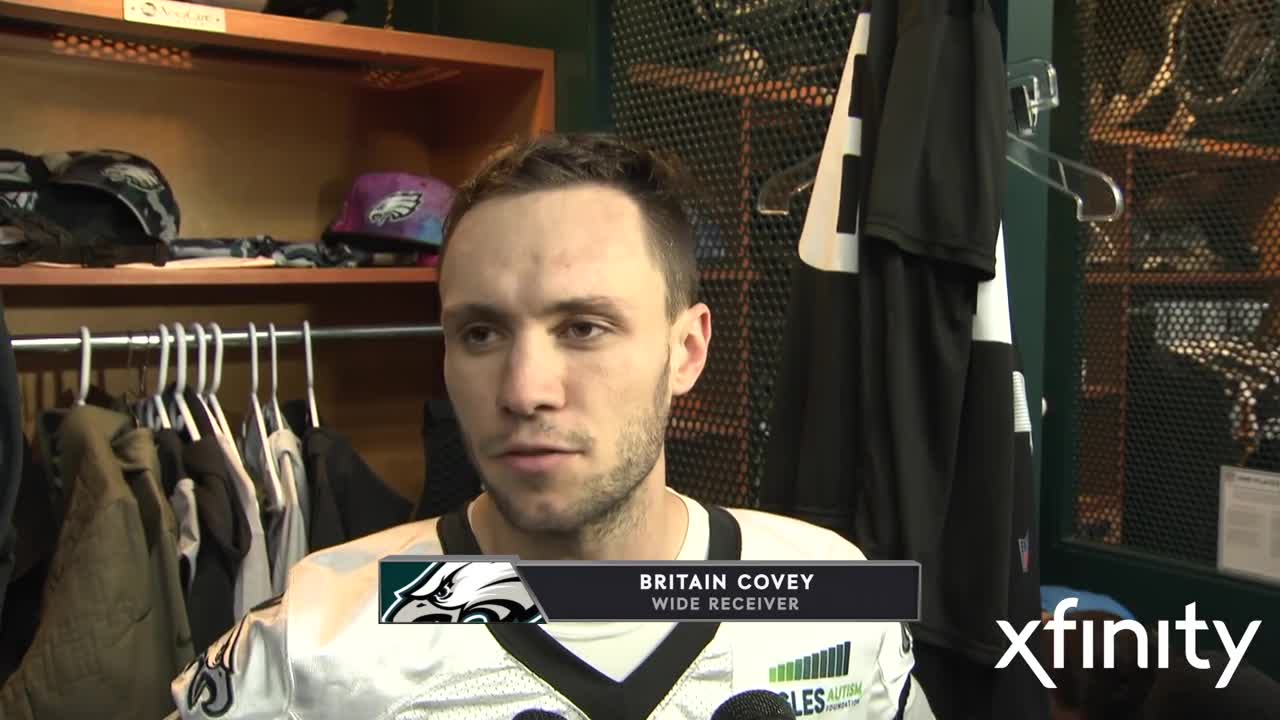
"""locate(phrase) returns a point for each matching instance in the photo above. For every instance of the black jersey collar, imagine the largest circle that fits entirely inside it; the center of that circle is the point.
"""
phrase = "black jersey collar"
(596, 694)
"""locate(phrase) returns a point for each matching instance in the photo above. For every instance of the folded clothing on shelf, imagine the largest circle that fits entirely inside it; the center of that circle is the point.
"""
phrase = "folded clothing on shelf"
(285, 254)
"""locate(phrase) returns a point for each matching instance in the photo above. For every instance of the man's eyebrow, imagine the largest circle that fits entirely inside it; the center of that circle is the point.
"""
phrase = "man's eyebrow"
(586, 305)
(485, 312)
(473, 312)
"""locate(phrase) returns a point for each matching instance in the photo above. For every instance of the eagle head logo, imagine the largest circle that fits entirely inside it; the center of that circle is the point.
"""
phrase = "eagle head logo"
(18, 200)
(395, 207)
(135, 176)
(468, 592)
(210, 689)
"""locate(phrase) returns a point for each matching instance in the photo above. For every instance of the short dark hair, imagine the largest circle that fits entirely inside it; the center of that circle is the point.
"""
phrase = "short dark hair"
(655, 181)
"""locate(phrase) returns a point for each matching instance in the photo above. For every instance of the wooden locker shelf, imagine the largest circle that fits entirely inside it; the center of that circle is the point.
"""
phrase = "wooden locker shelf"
(250, 31)
(133, 277)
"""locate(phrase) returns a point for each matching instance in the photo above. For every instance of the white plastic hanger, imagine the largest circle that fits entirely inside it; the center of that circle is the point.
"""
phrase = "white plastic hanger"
(311, 376)
(86, 365)
(158, 412)
(202, 375)
(275, 418)
(275, 491)
(212, 395)
(180, 385)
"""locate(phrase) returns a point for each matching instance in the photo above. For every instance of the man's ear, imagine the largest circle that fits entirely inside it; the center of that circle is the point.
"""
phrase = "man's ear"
(691, 342)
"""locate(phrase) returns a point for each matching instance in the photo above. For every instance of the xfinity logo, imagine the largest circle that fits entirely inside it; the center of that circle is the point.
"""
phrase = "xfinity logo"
(1190, 624)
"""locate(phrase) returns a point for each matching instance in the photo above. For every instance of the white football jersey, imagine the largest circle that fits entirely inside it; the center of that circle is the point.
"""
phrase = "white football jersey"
(319, 653)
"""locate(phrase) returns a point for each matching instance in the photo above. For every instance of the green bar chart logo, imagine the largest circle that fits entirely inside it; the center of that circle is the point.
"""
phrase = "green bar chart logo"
(829, 663)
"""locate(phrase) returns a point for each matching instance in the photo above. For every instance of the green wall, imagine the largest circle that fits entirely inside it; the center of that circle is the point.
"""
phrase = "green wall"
(1028, 33)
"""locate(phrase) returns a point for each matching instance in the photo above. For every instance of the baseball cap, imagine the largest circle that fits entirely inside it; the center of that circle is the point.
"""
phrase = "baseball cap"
(110, 196)
(22, 177)
(93, 208)
(393, 211)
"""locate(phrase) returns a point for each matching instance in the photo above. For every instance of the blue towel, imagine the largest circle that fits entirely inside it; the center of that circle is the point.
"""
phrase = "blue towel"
(1051, 595)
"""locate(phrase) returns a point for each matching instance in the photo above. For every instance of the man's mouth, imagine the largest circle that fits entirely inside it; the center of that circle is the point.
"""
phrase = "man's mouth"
(534, 458)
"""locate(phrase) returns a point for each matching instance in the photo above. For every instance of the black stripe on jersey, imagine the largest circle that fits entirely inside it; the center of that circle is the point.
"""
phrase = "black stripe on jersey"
(596, 694)
(902, 699)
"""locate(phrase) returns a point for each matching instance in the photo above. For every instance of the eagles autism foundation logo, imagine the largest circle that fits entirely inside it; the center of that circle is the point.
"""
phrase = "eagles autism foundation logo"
(815, 683)
(464, 592)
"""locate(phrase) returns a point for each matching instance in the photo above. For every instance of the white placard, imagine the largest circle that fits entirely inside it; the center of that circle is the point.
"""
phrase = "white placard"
(1249, 523)
(176, 14)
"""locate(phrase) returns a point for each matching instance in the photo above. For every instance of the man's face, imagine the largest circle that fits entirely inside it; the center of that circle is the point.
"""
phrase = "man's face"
(560, 357)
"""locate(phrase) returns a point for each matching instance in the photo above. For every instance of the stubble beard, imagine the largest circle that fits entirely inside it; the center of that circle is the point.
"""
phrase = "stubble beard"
(606, 503)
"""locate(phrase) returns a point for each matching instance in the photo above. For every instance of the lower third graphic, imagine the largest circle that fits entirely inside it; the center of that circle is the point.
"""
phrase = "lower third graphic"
(456, 591)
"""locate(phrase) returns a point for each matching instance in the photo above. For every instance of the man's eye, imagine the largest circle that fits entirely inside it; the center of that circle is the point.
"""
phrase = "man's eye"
(582, 330)
(477, 335)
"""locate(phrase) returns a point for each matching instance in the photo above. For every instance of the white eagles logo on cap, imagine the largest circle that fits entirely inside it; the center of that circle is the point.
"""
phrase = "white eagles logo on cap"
(466, 592)
(395, 207)
(21, 200)
(133, 175)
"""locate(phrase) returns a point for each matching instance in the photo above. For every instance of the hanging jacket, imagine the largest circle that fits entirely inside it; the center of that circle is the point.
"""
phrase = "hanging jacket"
(180, 489)
(452, 479)
(113, 630)
(253, 578)
(291, 534)
(224, 541)
(37, 536)
(348, 500)
(10, 453)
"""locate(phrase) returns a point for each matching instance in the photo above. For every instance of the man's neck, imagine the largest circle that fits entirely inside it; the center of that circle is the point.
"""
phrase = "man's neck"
(653, 528)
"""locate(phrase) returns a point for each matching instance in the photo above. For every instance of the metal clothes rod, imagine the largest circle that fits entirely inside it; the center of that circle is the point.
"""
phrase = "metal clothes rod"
(236, 338)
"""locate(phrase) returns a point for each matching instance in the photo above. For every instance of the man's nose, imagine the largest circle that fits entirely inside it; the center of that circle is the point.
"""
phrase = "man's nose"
(533, 379)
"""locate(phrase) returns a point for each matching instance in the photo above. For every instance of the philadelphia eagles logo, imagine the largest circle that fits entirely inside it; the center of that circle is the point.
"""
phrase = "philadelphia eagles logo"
(210, 687)
(19, 200)
(134, 176)
(395, 207)
(468, 592)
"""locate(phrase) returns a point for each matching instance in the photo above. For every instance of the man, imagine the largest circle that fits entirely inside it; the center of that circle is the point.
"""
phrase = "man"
(568, 304)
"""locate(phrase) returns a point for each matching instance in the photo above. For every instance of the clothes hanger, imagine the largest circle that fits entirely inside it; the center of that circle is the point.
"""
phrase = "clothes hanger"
(776, 193)
(1033, 89)
(272, 481)
(157, 413)
(217, 381)
(311, 376)
(180, 385)
(86, 365)
(202, 375)
(275, 418)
